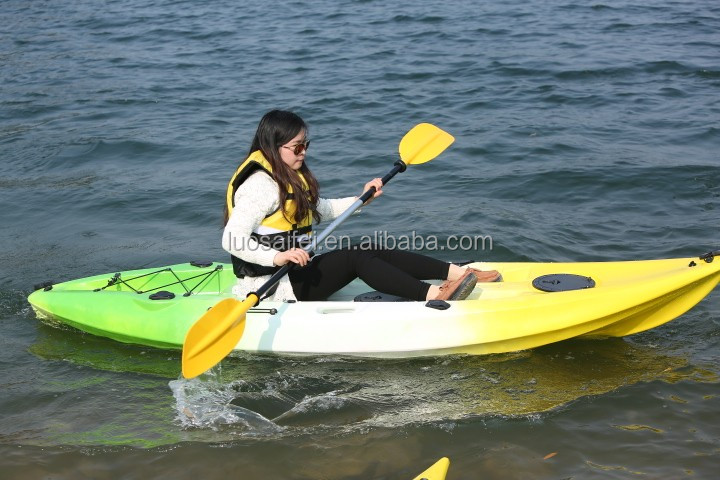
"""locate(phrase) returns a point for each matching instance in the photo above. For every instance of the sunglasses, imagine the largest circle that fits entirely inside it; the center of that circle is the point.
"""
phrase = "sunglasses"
(298, 148)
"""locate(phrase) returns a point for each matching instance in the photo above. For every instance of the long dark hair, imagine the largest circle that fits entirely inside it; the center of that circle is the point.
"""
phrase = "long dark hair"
(276, 128)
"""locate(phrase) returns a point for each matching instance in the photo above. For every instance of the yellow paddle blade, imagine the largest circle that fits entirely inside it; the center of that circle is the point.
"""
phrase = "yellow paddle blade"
(423, 143)
(214, 335)
(437, 472)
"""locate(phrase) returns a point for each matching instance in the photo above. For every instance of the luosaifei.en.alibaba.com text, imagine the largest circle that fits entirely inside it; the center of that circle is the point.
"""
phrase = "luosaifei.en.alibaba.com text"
(378, 239)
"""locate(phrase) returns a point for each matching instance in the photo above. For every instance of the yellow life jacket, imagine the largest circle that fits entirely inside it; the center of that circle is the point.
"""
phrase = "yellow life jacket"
(277, 229)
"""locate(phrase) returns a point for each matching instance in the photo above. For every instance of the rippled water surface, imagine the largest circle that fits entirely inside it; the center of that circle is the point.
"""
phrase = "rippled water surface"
(583, 132)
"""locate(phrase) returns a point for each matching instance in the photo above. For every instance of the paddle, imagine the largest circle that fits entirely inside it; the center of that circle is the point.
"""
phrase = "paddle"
(219, 330)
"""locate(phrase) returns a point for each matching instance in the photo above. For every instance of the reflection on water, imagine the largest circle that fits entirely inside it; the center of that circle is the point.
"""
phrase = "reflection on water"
(61, 342)
(272, 396)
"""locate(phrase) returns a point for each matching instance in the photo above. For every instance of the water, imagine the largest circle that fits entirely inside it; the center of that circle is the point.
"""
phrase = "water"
(583, 132)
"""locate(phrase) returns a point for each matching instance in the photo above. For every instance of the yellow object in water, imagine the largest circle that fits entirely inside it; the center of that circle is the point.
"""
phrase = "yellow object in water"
(437, 471)
(157, 307)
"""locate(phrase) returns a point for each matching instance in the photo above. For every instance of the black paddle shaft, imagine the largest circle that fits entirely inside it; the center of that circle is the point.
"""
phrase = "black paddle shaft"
(398, 168)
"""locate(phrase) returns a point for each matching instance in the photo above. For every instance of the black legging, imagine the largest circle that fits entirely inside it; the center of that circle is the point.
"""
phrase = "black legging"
(389, 271)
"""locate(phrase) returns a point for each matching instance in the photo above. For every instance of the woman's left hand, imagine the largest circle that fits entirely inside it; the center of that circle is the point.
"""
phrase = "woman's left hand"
(377, 183)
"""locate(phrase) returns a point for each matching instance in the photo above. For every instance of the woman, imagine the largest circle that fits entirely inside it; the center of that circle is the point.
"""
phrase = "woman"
(271, 203)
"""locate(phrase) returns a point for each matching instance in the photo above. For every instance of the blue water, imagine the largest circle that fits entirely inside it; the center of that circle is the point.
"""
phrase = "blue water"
(583, 132)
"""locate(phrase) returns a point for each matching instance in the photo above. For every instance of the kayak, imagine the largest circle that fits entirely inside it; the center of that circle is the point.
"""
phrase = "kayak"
(535, 304)
(438, 471)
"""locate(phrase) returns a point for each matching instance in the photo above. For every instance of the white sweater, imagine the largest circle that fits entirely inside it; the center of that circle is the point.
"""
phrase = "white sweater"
(256, 198)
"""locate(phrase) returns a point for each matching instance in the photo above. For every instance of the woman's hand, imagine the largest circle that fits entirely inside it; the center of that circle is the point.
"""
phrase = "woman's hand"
(294, 255)
(377, 183)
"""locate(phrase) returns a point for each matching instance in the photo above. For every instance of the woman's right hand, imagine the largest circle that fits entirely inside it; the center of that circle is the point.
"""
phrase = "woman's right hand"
(295, 255)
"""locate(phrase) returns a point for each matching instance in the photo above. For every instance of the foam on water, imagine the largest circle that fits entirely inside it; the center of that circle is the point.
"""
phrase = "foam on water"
(205, 403)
